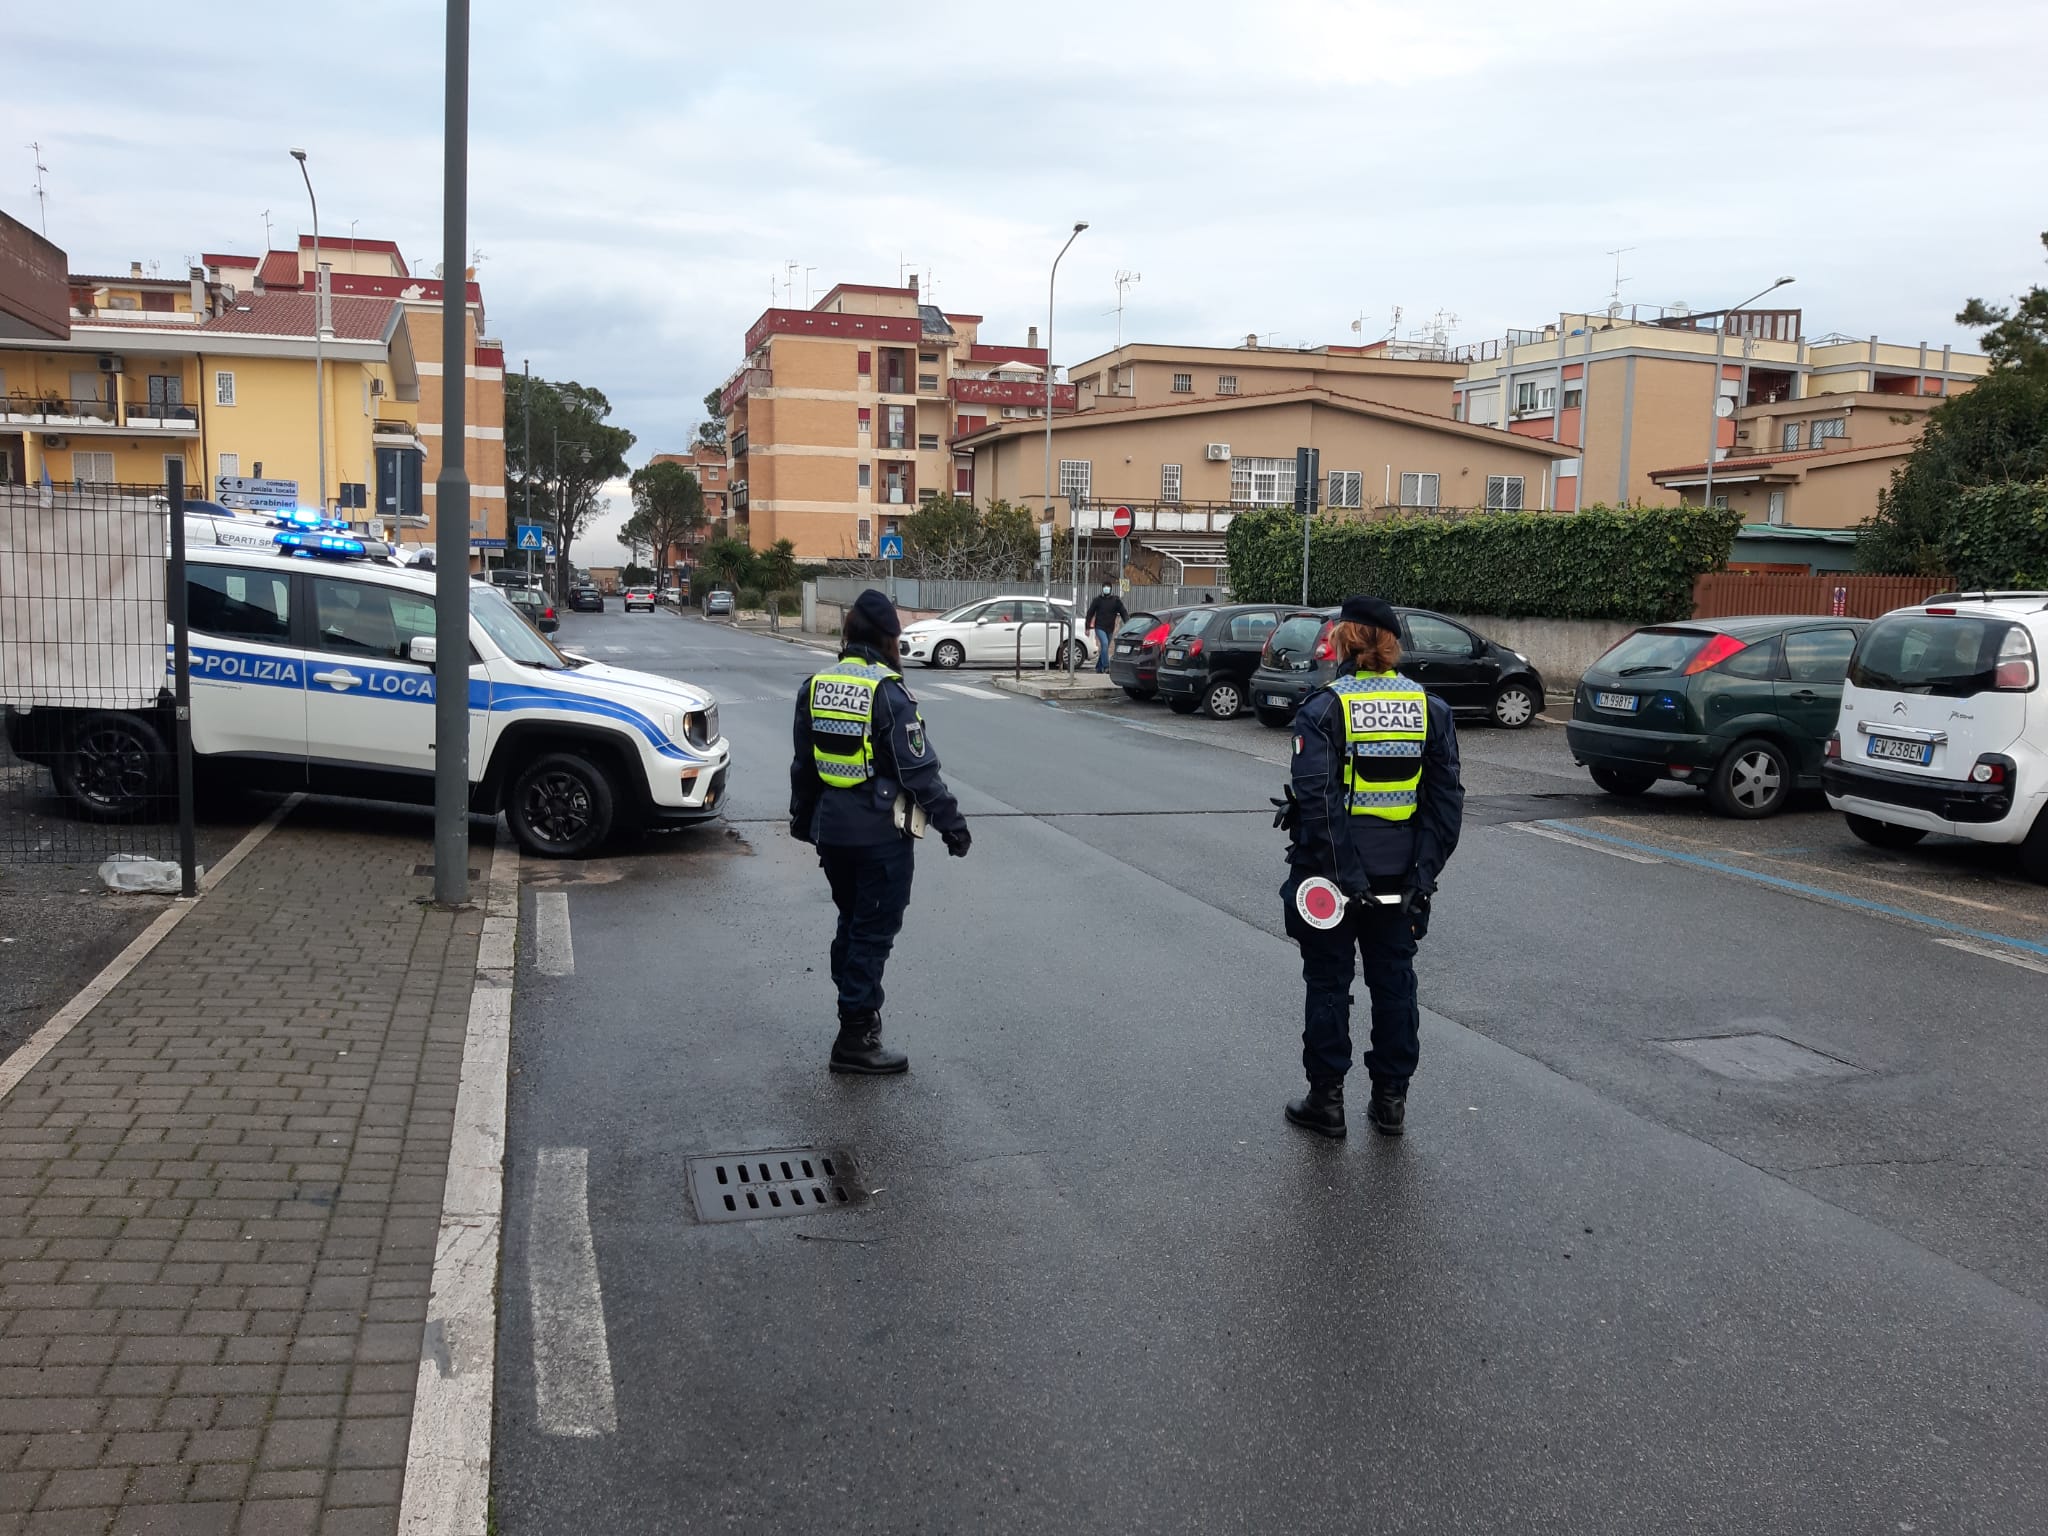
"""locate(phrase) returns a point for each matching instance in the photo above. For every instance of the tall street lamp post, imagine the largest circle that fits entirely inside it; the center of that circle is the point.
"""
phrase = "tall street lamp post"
(451, 486)
(1714, 399)
(319, 331)
(1050, 283)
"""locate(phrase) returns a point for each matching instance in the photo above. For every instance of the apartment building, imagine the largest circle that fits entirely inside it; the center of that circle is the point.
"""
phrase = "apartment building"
(1144, 374)
(153, 371)
(714, 480)
(1638, 390)
(376, 269)
(845, 415)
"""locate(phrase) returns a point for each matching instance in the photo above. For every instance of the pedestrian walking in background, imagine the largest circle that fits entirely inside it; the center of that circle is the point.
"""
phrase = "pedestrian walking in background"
(1375, 806)
(862, 784)
(1104, 614)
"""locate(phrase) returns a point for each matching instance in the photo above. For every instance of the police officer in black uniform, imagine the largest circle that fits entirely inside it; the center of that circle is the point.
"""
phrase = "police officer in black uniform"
(1375, 805)
(863, 762)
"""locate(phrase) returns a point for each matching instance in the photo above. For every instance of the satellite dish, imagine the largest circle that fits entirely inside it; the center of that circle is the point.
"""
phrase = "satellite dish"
(1724, 407)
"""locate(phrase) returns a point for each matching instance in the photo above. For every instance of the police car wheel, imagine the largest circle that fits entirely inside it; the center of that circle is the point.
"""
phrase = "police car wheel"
(1223, 701)
(115, 768)
(561, 806)
(948, 654)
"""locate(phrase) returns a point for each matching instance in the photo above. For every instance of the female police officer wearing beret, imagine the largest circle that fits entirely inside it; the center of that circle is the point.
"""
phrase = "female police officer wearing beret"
(1376, 807)
(861, 748)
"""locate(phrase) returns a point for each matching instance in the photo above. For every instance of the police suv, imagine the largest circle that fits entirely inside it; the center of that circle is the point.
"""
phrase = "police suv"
(1944, 726)
(313, 669)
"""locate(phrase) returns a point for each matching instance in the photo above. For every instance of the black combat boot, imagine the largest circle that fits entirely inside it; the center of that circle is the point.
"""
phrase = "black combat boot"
(1322, 1111)
(859, 1048)
(1387, 1110)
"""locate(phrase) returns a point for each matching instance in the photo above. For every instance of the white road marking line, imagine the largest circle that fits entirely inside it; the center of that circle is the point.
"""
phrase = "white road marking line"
(448, 1457)
(1584, 844)
(967, 691)
(1993, 952)
(572, 1368)
(618, 650)
(554, 951)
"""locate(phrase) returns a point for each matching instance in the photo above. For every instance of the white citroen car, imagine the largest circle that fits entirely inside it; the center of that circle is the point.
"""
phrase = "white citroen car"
(1006, 630)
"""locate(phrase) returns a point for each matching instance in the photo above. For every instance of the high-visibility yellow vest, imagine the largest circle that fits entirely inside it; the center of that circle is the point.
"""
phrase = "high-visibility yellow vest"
(1386, 721)
(843, 709)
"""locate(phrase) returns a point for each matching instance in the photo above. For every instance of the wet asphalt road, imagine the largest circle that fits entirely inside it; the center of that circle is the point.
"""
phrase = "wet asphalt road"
(1101, 1286)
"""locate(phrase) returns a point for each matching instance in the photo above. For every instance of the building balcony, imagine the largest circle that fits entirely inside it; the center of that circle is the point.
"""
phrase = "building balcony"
(741, 384)
(88, 417)
(738, 445)
(1007, 392)
(842, 327)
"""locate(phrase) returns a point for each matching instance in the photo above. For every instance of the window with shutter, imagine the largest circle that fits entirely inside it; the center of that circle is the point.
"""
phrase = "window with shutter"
(1183, 383)
(1169, 482)
(1790, 440)
(864, 362)
(1226, 383)
(1823, 430)
(1076, 476)
(1346, 489)
(1503, 493)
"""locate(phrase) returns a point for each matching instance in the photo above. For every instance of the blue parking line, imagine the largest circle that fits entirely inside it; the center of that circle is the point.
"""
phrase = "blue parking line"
(1797, 888)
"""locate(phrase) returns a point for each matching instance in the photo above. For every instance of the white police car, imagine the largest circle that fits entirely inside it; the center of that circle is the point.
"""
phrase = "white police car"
(312, 669)
(1944, 727)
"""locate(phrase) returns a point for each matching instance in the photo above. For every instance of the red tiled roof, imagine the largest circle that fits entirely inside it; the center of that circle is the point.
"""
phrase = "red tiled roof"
(280, 269)
(343, 243)
(216, 259)
(291, 314)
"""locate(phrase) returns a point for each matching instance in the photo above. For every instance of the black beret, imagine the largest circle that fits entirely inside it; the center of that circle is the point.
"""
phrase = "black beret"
(1359, 609)
(879, 612)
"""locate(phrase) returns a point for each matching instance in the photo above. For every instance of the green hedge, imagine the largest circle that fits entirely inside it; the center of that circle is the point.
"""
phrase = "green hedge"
(1635, 564)
(1999, 537)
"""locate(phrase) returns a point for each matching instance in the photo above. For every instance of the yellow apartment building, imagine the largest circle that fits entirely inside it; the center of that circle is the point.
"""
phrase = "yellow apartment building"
(155, 372)
(1147, 374)
(845, 415)
(1634, 391)
(366, 268)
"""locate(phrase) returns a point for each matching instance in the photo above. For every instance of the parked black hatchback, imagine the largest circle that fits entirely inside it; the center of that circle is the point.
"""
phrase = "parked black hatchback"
(1135, 648)
(1210, 655)
(1479, 678)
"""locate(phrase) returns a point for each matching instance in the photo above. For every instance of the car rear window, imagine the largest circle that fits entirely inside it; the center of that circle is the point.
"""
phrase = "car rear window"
(1297, 634)
(1950, 658)
(1192, 624)
(1137, 624)
(1654, 650)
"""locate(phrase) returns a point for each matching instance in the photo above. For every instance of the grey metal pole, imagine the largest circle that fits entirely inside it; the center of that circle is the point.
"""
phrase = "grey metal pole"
(1050, 282)
(1714, 398)
(451, 492)
(526, 449)
(319, 333)
(181, 674)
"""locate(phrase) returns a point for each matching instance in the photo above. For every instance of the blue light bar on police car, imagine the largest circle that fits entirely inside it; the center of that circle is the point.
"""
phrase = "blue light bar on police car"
(309, 544)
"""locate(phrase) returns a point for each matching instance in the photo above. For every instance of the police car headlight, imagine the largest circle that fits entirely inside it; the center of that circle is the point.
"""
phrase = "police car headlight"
(700, 727)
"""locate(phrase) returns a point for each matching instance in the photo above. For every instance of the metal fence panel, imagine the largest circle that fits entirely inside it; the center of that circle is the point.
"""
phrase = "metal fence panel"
(88, 765)
(1726, 594)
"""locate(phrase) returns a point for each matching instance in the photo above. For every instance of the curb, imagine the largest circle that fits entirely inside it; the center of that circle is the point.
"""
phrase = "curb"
(1037, 688)
(447, 1487)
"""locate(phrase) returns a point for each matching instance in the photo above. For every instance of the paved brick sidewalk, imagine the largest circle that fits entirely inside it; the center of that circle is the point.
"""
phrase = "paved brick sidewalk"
(218, 1205)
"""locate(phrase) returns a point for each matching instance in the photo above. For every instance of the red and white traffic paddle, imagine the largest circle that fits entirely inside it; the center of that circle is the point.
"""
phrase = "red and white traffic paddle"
(1319, 903)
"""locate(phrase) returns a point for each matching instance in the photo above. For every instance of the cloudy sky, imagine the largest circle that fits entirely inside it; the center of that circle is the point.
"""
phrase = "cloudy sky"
(641, 172)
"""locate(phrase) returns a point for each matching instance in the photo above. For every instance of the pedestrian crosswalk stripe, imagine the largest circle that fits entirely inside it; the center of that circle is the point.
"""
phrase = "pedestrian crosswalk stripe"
(572, 1364)
(965, 691)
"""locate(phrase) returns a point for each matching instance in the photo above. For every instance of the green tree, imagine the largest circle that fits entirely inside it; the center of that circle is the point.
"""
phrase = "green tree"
(775, 567)
(668, 508)
(730, 561)
(2015, 335)
(939, 528)
(562, 456)
(1012, 536)
(711, 430)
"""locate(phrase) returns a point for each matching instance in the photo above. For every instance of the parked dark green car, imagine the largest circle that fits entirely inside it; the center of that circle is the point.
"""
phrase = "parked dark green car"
(1739, 707)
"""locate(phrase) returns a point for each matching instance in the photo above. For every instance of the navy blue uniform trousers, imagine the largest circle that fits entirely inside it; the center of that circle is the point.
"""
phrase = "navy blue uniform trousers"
(1381, 938)
(871, 887)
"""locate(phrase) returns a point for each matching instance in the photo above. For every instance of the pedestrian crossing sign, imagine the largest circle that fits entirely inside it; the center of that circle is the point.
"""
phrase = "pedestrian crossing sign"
(530, 537)
(892, 546)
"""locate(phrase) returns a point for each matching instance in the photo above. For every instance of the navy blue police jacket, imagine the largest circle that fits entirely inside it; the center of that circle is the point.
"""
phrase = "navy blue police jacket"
(904, 761)
(1358, 852)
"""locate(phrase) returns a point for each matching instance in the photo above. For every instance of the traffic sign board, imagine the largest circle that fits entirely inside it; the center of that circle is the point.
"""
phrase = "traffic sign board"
(892, 546)
(249, 494)
(1120, 522)
(530, 536)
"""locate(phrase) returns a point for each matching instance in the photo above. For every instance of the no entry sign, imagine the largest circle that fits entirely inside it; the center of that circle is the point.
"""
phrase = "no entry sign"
(1120, 522)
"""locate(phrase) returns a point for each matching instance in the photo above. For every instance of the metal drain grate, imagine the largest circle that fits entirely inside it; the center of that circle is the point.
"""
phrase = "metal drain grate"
(752, 1186)
(1762, 1058)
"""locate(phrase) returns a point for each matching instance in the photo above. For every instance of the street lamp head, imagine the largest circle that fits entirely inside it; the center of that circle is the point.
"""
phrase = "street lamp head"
(1081, 225)
(1781, 282)
(299, 155)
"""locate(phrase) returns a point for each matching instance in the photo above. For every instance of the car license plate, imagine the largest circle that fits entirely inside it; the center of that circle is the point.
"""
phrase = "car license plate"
(1625, 702)
(1893, 749)
(1277, 700)
(1127, 647)
(1175, 655)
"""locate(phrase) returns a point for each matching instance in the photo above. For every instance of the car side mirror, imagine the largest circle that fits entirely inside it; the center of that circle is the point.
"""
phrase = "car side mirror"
(423, 648)
(981, 621)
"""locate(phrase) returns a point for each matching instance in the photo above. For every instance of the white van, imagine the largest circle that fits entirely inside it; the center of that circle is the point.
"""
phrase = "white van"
(1944, 726)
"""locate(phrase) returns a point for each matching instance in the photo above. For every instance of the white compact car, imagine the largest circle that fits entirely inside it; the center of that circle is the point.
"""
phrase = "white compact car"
(1005, 630)
(1944, 726)
(312, 669)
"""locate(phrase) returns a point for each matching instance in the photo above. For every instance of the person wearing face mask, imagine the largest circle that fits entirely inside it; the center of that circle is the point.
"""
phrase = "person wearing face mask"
(1104, 614)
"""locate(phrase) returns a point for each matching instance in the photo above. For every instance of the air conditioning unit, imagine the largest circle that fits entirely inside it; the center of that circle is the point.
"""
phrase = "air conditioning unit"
(376, 387)
(109, 363)
(54, 440)
(1220, 452)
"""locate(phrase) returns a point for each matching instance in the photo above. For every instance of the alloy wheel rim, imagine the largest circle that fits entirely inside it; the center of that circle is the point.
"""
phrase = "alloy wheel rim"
(558, 807)
(1514, 707)
(113, 769)
(1756, 780)
(1224, 701)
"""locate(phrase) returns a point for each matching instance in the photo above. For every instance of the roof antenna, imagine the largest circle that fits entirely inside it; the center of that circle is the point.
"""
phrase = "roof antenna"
(1614, 298)
(266, 235)
(42, 198)
(1123, 281)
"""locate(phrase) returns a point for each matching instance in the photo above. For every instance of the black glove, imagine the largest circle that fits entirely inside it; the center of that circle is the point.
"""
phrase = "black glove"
(800, 828)
(1287, 811)
(1415, 906)
(958, 841)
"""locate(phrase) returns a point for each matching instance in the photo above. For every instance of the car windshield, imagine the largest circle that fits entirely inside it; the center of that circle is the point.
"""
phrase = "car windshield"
(1192, 624)
(1296, 635)
(1653, 650)
(511, 633)
(1951, 658)
(963, 613)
